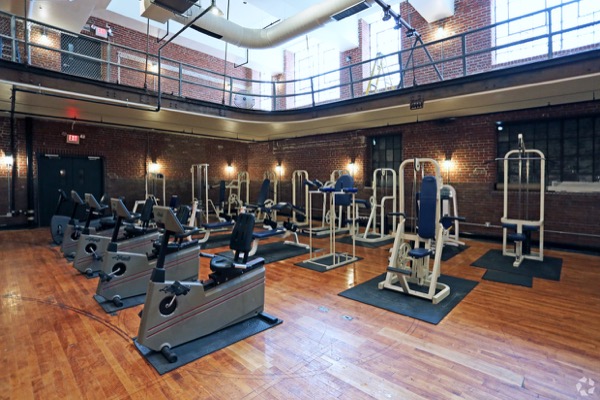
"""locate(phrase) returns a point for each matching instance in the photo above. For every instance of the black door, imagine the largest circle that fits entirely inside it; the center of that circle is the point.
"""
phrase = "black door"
(82, 174)
(76, 65)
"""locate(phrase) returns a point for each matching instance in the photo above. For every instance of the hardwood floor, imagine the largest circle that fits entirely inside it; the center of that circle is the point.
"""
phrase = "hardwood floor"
(500, 342)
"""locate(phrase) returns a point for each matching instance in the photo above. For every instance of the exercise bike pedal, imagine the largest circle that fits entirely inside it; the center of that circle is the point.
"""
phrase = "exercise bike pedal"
(176, 289)
(104, 277)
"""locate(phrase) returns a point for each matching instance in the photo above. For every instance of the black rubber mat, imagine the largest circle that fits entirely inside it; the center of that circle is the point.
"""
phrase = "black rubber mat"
(549, 269)
(200, 347)
(507, 277)
(274, 251)
(450, 251)
(411, 306)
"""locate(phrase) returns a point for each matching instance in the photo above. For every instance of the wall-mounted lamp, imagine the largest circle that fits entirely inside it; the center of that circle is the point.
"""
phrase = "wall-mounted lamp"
(447, 164)
(44, 36)
(441, 32)
(279, 168)
(499, 126)
(352, 167)
(154, 167)
(448, 167)
(229, 169)
(8, 160)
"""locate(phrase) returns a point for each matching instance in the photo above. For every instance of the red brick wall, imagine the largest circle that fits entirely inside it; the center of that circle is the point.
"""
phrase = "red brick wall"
(469, 141)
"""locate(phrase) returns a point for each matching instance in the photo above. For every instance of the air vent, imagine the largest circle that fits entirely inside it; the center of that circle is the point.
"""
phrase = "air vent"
(177, 6)
(351, 11)
(206, 32)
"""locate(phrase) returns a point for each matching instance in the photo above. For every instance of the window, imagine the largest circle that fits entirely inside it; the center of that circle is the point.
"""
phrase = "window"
(541, 23)
(316, 69)
(571, 147)
(386, 152)
(384, 40)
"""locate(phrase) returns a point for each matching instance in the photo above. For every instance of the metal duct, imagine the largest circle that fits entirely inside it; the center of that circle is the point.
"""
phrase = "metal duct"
(177, 6)
(272, 36)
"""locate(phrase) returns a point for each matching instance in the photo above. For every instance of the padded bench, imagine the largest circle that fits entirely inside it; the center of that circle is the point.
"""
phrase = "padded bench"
(519, 237)
(267, 234)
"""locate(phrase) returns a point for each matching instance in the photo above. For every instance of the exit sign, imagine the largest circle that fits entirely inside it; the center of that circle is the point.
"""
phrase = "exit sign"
(72, 138)
(101, 32)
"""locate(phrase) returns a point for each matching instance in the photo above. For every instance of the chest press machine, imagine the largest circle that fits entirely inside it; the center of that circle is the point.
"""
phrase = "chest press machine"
(409, 269)
(178, 312)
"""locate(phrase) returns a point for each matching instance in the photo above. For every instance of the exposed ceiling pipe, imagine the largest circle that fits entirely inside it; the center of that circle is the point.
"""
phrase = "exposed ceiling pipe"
(299, 24)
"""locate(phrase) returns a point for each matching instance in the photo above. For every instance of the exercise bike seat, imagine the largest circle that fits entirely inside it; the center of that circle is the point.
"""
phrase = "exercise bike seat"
(223, 268)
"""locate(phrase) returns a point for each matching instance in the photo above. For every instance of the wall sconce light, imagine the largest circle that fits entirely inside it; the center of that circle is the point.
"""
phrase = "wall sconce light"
(44, 36)
(154, 167)
(499, 126)
(229, 169)
(279, 168)
(441, 32)
(8, 160)
(352, 167)
(448, 167)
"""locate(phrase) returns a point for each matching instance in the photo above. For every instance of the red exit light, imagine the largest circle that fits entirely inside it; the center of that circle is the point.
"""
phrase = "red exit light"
(72, 138)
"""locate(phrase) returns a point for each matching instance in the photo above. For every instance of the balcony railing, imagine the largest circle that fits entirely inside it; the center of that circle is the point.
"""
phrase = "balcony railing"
(469, 53)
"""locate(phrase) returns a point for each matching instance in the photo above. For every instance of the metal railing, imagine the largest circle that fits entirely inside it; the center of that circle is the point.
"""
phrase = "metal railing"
(469, 53)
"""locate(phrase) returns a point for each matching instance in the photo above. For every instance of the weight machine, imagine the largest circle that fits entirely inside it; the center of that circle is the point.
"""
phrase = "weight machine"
(299, 196)
(238, 191)
(450, 207)
(409, 268)
(154, 180)
(381, 184)
(342, 194)
(519, 227)
(205, 204)
(327, 215)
